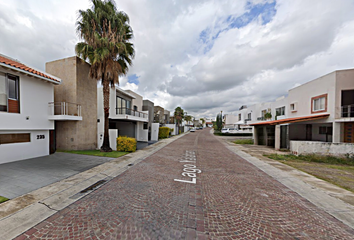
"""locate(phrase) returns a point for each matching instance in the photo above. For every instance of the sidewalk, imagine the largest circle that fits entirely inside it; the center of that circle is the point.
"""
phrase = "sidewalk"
(20, 214)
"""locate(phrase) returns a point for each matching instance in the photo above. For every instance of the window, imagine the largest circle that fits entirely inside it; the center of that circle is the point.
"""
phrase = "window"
(15, 138)
(249, 117)
(264, 112)
(319, 104)
(145, 125)
(3, 93)
(123, 106)
(239, 117)
(13, 87)
(293, 107)
(280, 111)
(325, 130)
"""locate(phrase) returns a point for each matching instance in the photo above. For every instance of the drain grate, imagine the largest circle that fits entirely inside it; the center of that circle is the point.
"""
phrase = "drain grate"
(93, 186)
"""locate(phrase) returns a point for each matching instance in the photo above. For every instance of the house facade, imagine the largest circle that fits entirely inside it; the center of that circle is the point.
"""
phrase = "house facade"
(126, 115)
(26, 129)
(77, 129)
(318, 113)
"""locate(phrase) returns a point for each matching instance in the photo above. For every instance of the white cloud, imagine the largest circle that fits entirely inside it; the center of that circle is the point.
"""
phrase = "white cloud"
(221, 69)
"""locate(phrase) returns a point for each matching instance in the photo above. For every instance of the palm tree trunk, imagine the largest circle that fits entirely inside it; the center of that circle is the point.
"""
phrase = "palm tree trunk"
(106, 90)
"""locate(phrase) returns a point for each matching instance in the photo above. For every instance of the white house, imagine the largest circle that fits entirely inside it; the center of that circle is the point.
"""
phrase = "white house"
(126, 116)
(25, 114)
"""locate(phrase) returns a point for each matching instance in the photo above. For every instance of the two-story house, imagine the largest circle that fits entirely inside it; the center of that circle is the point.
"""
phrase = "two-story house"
(126, 115)
(26, 119)
(317, 112)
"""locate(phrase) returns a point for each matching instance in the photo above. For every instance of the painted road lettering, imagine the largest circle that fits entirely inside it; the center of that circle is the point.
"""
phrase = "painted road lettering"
(189, 170)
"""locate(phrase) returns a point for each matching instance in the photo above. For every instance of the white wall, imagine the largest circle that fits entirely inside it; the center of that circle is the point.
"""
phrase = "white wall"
(113, 134)
(173, 126)
(302, 95)
(323, 148)
(35, 95)
(155, 131)
(20, 151)
(142, 134)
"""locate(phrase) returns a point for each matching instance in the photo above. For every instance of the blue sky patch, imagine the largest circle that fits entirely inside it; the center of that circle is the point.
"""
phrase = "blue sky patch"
(267, 11)
(133, 79)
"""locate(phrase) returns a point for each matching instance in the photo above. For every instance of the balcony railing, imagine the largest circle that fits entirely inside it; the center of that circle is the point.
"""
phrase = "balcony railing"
(347, 111)
(131, 112)
(64, 108)
(261, 119)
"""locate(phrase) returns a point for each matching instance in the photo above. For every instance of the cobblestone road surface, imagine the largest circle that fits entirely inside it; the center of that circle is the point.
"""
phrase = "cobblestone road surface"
(231, 199)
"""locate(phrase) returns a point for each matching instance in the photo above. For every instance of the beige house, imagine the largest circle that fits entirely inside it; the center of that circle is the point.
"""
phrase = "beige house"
(75, 98)
(319, 117)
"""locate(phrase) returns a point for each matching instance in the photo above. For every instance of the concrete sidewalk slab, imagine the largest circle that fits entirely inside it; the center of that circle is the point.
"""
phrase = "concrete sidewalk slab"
(22, 213)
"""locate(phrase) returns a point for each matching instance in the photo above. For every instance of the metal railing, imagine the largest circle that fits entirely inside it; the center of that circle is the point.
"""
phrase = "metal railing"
(131, 112)
(65, 108)
(347, 111)
(261, 119)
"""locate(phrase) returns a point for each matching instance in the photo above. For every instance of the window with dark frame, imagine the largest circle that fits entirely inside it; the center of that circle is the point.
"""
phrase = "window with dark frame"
(15, 138)
(145, 125)
(280, 111)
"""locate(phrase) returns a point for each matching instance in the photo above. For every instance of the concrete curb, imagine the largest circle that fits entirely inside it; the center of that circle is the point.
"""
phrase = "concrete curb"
(321, 193)
(24, 212)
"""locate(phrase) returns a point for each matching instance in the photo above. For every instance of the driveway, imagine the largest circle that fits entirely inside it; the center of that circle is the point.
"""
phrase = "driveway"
(21, 177)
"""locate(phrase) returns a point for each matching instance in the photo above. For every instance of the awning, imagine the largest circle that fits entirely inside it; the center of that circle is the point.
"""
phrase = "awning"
(292, 120)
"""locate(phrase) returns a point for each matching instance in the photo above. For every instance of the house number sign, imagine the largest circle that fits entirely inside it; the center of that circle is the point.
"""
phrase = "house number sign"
(40, 136)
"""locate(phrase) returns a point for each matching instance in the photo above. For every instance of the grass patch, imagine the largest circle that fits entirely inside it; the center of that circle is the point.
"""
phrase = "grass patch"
(3, 199)
(336, 170)
(113, 154)
(243, 141)
(349, 161)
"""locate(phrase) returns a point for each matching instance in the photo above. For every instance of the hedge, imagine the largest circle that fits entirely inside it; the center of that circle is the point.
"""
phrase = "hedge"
(126, 144)
(164, 132)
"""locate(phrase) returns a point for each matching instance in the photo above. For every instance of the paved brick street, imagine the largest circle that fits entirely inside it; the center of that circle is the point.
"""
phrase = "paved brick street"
(231, 199)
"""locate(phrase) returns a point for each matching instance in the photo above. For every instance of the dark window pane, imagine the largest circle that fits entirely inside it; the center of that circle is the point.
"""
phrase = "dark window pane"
(12, 89)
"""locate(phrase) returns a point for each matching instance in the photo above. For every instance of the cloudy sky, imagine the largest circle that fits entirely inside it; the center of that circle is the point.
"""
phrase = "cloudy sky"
(206, 56)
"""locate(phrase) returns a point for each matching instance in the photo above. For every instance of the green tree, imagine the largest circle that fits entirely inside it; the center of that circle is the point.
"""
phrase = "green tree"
(179, 115)
(219, 122)
(106, 36)
(203, 121)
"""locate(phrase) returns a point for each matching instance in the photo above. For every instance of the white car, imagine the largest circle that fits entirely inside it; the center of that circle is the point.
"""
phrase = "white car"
(192, 129)
(225, 130)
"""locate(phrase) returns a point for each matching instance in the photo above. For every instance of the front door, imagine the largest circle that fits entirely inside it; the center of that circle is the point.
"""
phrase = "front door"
(52, 143)
(308, 132)
(349, 132)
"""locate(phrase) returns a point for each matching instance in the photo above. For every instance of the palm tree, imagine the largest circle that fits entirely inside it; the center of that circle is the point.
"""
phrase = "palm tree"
(188, 118)
(179, 115)
(106, 35)
(203, 121)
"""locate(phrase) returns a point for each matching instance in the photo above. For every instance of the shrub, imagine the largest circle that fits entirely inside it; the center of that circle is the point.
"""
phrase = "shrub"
(164, 132)
(126, 144)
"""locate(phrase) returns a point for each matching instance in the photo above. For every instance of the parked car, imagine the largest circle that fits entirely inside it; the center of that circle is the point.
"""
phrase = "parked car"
(192, 129)
(225, 130)
(229, 130)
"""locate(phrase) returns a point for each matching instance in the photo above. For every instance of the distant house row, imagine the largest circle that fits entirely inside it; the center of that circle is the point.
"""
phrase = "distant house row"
(317, 116)
(62, 108)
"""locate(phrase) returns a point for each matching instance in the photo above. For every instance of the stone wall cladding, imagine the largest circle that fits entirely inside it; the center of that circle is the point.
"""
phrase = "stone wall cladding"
(323, 148)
